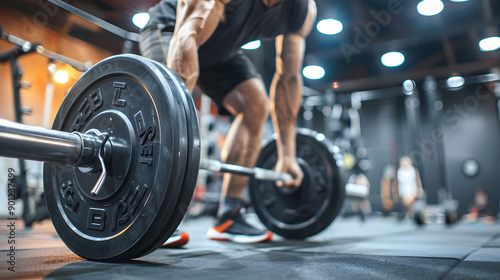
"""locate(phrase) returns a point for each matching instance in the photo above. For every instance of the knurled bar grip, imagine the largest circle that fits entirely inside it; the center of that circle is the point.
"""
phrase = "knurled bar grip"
(258, 173)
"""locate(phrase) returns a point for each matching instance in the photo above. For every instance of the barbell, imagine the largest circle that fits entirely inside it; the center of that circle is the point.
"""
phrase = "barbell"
(122, 160)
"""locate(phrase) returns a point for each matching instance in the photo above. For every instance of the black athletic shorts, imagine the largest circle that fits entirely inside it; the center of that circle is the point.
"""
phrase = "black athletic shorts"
(216, 80)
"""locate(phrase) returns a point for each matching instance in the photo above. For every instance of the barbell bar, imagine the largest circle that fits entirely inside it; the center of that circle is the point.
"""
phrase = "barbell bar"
(83, 150)
(258, 173)
(41, 144)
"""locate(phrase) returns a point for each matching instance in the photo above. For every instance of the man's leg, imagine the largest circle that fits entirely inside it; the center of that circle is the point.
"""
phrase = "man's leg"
(248, 102)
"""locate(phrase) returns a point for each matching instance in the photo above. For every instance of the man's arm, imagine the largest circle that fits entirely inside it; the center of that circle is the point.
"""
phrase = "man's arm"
(286, 95)
(195, 23)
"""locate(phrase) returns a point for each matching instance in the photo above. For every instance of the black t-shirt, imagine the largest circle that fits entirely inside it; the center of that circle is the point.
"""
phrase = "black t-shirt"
(245, 21)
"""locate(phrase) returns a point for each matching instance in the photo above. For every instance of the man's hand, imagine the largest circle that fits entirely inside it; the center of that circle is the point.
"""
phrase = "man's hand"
(291, 166)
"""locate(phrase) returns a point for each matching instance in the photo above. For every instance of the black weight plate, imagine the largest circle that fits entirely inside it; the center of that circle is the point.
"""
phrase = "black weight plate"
(309, 209)
(419, 210)
(128, 221)
(193, 163)
(450, 216)
(169, 226)
(193, 152)
(450, 212)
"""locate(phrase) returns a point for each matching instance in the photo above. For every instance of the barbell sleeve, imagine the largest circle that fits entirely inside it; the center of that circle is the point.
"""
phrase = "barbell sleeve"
(42, 144)
(258, 173)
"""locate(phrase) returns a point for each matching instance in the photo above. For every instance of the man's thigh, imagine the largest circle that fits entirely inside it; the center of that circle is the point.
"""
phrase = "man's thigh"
(219, 79)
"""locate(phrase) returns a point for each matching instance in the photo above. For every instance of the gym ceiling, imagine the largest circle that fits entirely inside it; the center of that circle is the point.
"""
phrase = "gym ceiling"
(442, 45)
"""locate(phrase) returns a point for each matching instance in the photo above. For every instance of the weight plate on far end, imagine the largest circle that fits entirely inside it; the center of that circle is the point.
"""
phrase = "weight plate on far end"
(419, 209)
(308, 210)
(129, 219)
(450, 211)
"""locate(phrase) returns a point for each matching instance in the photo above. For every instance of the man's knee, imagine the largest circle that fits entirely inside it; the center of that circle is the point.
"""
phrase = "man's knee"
(256, 112)
(249, 100)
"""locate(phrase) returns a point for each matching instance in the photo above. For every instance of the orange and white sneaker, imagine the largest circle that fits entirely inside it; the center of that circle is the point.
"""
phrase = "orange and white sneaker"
(178, 239)
(233, 227)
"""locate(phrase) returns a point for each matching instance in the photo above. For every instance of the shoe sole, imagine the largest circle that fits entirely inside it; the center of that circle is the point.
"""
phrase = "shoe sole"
(176, 241)
(213, 234)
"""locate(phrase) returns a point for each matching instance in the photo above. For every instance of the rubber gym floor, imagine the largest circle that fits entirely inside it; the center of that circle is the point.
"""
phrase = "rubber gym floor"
(380, 248)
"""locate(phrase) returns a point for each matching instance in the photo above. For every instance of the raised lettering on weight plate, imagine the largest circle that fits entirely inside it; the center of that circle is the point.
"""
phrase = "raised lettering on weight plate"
(96, 219)
(118, 90)
(139, 122)
(127, 206)
(147, 149)
(120, 215)
(69, 196)
(87, 108)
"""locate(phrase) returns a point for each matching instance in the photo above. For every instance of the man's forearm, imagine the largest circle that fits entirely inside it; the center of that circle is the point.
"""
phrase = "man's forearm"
(196, 21)
(183, 59)
(286, 96)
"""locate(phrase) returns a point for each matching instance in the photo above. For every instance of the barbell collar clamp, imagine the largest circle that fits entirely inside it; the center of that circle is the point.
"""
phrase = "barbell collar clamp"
(100, 182)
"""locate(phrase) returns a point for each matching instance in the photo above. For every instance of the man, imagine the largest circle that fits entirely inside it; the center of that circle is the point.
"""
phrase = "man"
(201, 40)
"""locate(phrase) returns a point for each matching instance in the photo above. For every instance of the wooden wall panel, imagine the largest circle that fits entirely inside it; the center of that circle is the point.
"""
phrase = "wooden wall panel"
(34, 66)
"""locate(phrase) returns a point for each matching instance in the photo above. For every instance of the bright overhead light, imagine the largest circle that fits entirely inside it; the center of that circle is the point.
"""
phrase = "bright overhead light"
(61, 77)
(329, 26)
(253, 45)
(455, 82)
(489, 44)
(313, 72)
(408, 87)
(430, 7)
(459, 1)
(392, 59)
(141, 19)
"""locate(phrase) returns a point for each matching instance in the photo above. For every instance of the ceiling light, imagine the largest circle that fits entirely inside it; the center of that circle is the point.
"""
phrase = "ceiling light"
(489, 44)
(329, 26)
(455, 82)
(141, 19)
(392, 59)
(253, 45)
(313, 72)
(430, 7)
(408, 87)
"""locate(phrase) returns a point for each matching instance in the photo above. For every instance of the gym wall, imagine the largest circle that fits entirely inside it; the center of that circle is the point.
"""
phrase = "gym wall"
(469, 125)
(35, 71)
(34, 66)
